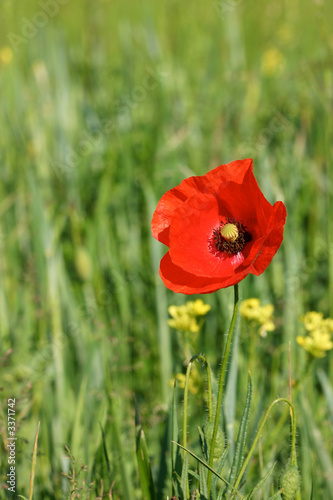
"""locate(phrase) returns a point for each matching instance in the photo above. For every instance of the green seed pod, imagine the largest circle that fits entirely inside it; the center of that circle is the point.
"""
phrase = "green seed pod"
(83, 263)
(208, 429)
(290, 481)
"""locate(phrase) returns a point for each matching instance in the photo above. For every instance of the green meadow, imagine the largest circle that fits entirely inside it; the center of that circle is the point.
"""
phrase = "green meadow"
(105, 106)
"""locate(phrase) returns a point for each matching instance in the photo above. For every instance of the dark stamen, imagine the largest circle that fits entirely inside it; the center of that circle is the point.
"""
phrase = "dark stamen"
(231, 247)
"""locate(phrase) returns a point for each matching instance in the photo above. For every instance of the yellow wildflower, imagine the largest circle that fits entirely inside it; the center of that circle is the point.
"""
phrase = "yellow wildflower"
(251, 310)
(272, 62)
(312, 320)
(319, 334)
(180, 377)
(184, 323)
(198, 307)
(6, 55)
(184, 316)
(176, 311)
(193, 383)
(327, 324)
(317, 343)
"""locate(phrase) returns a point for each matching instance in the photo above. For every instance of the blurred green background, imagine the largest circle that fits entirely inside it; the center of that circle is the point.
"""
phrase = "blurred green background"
(105, 105)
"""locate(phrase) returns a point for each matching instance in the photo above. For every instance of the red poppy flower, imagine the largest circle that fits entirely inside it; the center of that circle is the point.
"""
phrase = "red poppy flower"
(219, 228)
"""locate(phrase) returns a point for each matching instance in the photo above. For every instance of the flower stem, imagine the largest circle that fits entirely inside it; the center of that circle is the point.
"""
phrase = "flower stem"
(221, 385)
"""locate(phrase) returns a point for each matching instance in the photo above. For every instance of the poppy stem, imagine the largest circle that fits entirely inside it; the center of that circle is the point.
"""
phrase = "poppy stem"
(221, 385)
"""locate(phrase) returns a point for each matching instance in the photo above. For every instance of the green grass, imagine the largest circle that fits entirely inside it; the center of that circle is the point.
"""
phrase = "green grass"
(103, 109)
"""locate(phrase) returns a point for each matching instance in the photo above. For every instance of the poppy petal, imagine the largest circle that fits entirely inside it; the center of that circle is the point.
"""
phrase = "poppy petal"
(208, 183)
(245, 203)
(180, 281)
(263, 249)
(191, 239)
(272, 241)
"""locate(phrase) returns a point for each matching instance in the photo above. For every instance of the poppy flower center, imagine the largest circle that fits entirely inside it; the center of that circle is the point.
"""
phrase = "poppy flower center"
(231, 237)
(229, 232)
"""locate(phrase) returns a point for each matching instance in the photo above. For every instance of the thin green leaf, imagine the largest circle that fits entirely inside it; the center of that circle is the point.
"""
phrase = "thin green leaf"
(220, 495)
(163, 334)
(203, 442)
(176, 468)
(194, 474)
(146, 478)
(113, 422)
(327, 390)
(219, 470)
(210, 468)
(174, 432)
(176, 480)
(105, 450)
(241, 438)
(312, 492)
(261, 482)
(318, 443)
(276, 495)
(203, 488)
(184, 477)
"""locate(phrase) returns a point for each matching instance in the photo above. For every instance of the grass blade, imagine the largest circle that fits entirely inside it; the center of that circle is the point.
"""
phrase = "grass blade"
(146, 478)
(219, 470)
(327, 390)
(184, 477)
(175, 452)
(261, 482)
(276, 495)
(33, 466)
(318, 444)
(203, 488)
(209, 468)
(164, 341)
(312, 491)
(241, 438)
